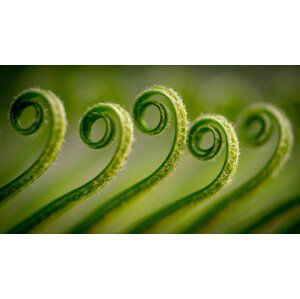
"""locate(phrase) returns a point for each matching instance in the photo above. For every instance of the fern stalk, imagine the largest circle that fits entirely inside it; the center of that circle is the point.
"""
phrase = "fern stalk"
(100, 111)
(47, 106)
(144, 101)
(288, 212)
(223, 132)
(269, 117)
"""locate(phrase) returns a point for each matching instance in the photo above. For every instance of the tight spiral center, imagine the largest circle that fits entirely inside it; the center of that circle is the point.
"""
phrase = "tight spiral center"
(89, 120)
(17, 109)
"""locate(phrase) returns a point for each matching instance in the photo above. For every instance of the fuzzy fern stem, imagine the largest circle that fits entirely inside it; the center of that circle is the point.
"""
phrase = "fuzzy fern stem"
(47, 106)
(269, 117)
(144, 101)
(223, 133)
(102, 111)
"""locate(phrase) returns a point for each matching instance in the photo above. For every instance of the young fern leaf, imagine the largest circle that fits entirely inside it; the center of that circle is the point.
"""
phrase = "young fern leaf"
(222, 132)
(101, 111)
(144, 101)
(47, 106)
(267, 116)
(287, 216)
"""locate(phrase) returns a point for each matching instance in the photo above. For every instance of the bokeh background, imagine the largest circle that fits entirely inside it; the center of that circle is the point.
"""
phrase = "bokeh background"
(205, 89)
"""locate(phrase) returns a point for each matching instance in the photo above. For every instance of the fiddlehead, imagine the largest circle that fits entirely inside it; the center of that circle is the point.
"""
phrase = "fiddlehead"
(46, 106)
(223, 133)
(267, 117)
(101, 111)
(144, 101)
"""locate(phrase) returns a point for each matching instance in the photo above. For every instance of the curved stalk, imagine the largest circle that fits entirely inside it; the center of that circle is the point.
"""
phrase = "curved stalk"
(268, 117)
(47, 106)
(222, 132)
(100, 111)
(144, 101)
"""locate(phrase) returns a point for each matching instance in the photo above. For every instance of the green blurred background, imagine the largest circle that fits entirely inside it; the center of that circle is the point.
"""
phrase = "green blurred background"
(205, 89)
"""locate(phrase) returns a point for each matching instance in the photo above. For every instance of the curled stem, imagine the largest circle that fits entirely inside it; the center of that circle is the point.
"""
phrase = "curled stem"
(101, 111)
(222, 132)
(46, 106)
(144, 101)
(266, 116)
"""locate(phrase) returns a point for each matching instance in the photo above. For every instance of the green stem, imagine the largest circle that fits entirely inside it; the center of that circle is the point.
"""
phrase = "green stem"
(287, 208)
(223, 132)
(100, 111)
(181, 129)
(267, 116)
(47, 106)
